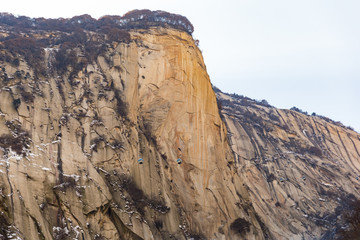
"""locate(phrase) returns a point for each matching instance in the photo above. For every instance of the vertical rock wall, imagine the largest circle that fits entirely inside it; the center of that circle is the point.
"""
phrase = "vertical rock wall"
(79, 175)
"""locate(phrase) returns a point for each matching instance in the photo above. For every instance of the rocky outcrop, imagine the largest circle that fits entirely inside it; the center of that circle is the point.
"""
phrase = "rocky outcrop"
(86, 122)
(81, 104)
(302, 171)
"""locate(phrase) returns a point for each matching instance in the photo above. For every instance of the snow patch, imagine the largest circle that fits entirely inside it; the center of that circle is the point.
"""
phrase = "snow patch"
(74, 176)
(327, 184)
(103, 171)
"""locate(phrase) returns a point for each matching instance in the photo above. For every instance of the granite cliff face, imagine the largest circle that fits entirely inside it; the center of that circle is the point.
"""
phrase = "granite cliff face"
(79, 107)
(302, 172)
(83, 126)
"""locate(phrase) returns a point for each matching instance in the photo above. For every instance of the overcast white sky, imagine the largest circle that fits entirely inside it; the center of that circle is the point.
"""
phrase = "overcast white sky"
(291, 53)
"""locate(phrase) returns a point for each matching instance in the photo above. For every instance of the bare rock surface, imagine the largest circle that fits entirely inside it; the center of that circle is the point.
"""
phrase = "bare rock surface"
(302, 172)
(79, 109)
(79, 176)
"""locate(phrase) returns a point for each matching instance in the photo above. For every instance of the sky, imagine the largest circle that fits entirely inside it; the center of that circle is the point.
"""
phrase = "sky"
(291, 53)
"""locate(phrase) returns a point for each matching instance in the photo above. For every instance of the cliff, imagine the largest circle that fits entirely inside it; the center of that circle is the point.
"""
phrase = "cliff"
(83, 122)
(82, 100)
(302, 172)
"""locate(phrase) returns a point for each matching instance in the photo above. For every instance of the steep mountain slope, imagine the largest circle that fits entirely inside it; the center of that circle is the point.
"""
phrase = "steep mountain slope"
(82, 100)
(302, 171)
(80, 110)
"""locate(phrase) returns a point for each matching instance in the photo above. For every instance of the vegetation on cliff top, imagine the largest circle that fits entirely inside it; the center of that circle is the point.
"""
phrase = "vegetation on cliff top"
(28, 38)
(243, 101)
(134, 19)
